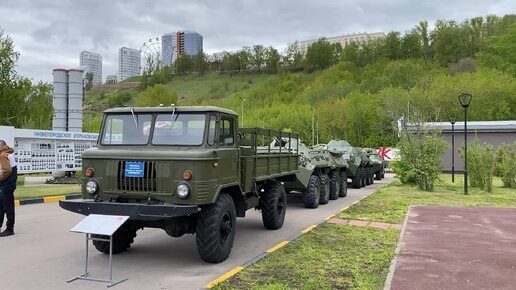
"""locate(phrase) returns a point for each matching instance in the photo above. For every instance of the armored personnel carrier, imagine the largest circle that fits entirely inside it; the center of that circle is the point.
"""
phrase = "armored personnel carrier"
(356, 169)
(377, 161)
(321, 177)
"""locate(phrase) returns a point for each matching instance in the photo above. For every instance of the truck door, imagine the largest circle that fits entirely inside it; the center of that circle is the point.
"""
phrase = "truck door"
(229, 158)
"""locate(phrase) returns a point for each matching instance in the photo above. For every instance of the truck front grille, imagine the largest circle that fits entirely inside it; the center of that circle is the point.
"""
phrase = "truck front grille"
(147, 183)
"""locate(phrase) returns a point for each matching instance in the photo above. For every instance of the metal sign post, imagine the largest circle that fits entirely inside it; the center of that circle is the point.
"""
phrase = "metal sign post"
(105, 225)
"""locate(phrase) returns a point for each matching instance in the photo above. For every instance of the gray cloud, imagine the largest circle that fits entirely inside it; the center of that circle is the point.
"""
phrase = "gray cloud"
(50, 34)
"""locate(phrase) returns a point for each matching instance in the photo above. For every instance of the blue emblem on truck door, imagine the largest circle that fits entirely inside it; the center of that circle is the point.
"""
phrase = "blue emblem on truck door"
(134, 169)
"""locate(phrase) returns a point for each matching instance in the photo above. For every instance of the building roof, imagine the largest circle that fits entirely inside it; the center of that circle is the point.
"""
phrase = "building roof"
(480, 126)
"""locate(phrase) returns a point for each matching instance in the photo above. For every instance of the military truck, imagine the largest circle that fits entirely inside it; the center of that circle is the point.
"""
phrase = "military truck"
(321, 177)
(377, 162)
(186, 170)
(356, 169)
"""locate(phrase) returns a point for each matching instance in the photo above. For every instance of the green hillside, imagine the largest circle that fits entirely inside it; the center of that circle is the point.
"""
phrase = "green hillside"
(358, 92)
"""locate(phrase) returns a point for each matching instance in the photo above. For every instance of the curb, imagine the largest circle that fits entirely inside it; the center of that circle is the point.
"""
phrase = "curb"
(252, 261)
(46, 199)
(397, 251)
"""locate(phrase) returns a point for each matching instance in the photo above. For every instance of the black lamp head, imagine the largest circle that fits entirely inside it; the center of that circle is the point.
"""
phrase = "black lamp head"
(465, 99)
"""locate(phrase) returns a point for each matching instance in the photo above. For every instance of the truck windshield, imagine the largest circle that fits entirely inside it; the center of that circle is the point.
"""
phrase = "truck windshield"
(126, 129)
(179, 129)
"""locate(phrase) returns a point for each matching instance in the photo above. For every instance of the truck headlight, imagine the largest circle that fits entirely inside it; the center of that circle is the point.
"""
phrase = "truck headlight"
(183, 190)
(91, 186)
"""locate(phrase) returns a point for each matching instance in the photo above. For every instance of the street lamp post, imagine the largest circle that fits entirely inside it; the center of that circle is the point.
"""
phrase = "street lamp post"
(453, 151)
(465, 99)
(243, 113)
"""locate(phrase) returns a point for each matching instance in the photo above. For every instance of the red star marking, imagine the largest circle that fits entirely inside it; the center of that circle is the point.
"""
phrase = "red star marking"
(384, 152)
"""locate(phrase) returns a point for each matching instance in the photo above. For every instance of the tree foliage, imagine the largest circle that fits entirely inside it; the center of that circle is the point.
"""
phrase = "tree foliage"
(155, 96)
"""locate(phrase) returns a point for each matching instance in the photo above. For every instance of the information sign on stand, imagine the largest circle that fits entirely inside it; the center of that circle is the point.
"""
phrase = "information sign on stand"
(105, 225)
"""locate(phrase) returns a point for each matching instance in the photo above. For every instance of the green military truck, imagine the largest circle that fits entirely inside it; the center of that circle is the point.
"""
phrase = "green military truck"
(186, 170)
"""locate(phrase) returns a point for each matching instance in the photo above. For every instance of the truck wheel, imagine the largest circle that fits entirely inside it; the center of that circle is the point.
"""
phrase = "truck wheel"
(343, 189)
(313, 192)
(335, 185)
(325, 189)
(363, 177)
(367, 175)
(122, 239)
(356, 181)
(273, 203)
(215, 230)
(378, 175)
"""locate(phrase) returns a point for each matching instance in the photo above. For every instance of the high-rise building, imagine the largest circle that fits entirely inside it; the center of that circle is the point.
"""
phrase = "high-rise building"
(128, 63)
(176, 43)
(344, 40)
(92, 62)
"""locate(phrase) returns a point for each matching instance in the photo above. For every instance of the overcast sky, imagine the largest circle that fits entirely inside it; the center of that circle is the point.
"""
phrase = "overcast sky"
(51, 33)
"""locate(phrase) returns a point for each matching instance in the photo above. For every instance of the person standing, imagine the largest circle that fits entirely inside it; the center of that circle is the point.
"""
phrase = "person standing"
(8, 178)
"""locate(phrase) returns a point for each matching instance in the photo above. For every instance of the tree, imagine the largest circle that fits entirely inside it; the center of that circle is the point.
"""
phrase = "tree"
(13, 88)
(272, 59)
(39, 109)
(392, 46)
(500, 52)
(89, 80)
(321, 54)
(155, 96)
(293, 57)
(411, 46)
(200, 62)
(258, 57)
(183, 64)
(422, 30)
(244, 56)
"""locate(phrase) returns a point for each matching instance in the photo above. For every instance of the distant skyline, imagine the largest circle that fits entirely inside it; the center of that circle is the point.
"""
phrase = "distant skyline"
(51, 34)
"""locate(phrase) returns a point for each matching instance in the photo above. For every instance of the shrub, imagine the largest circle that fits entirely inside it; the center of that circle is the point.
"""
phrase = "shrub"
(481, 165)
(420, 158)
(506, 164)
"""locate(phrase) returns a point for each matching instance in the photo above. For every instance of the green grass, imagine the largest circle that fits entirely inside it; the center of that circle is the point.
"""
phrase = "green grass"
(390, 203)
(329, 257)
(215, 86)
(25, 192)
(334, 256)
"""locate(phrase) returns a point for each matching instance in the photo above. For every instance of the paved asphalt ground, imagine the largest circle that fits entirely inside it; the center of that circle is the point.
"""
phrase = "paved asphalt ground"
(44, 254)
(457, 248)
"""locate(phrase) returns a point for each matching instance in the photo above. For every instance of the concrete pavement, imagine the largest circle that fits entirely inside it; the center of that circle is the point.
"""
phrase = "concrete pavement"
(44, 254)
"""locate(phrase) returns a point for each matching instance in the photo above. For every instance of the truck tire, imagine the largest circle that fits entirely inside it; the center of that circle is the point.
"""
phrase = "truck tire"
(356, 181)
(363, 176)
(325, 189)
(215, 230)
(367, 175)
(122, 239)
(343, 189)
(335, 185)
(378, 175)
(273, 203)
(312, 193)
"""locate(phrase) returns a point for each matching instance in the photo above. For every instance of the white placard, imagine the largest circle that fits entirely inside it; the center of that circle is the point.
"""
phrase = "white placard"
(100, 224)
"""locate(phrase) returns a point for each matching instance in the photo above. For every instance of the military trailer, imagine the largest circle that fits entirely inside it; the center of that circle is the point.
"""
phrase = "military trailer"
(377, 161)
(320, 178)
(356, 166)
(186, 170)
